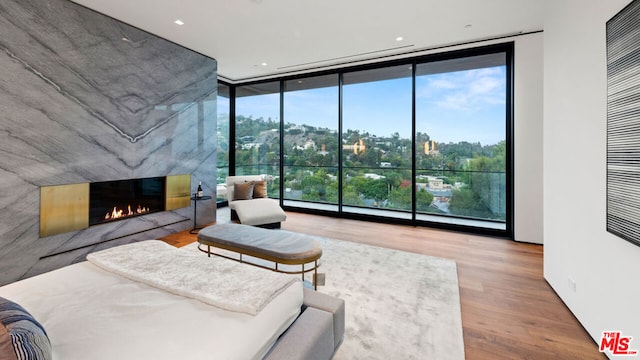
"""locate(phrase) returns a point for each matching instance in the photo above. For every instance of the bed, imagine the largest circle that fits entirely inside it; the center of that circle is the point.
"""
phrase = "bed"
(90, 312)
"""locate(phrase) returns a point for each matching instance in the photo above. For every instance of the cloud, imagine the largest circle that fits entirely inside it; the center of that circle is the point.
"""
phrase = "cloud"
(470, 90)
(442, 84)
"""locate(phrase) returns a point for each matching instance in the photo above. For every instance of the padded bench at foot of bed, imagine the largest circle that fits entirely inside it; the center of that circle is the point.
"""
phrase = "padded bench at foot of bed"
(279, 247)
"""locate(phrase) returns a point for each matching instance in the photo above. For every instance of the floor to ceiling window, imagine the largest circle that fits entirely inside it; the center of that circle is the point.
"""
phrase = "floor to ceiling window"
(461, 139)
(310, 153)
(222, 145)
(422, 140)
(257, 132)
(376, 141)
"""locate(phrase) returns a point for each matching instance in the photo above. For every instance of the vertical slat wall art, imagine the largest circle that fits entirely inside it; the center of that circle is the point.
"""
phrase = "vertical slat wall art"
(623, 123)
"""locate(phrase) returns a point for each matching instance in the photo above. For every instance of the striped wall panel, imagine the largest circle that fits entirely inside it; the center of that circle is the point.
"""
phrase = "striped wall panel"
(623, 123)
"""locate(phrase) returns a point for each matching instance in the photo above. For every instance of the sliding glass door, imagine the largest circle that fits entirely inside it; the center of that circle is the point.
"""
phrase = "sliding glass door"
(376, 141)
(257, 129)
(310, 161)
(461, 139)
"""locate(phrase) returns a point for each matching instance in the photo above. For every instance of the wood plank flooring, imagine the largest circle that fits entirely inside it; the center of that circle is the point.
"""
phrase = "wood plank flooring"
(508, 310)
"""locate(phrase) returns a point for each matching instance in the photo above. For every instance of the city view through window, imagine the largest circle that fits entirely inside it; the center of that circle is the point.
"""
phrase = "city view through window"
(435, 142)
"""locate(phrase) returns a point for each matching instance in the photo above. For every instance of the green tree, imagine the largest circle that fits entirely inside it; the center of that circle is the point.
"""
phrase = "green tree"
(400, 198)
(423, 200)
(350, 196)
(466, 202)
(376, 189)
(314, 186)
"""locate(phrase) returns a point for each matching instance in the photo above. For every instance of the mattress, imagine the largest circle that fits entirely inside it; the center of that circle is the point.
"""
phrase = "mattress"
(90, 313)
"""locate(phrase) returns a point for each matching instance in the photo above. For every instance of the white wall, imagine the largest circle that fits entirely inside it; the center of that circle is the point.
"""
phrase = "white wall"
(528, 138)
(604, 267)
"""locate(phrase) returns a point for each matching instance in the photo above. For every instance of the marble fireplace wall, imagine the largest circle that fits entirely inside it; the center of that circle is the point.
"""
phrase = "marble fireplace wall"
(85, 98)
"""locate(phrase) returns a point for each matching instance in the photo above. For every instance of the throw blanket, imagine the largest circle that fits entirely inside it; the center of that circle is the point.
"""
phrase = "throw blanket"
(215, 281)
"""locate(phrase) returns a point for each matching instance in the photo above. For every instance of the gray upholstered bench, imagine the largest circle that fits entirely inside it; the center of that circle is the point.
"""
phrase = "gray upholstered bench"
(276, 246)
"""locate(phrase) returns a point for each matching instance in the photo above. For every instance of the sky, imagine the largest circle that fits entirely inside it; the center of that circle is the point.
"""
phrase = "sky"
(450, 107)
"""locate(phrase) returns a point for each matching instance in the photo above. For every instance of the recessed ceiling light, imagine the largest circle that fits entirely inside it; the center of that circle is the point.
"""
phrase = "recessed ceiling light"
(399, 38)
(264, 64)
(179, 22)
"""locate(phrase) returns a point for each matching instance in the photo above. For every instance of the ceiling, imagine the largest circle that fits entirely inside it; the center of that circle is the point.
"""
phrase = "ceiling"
(259, 39)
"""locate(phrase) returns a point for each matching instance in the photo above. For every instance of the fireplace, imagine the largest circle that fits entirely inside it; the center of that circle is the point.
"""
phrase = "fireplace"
(115, 200)
(71, 207)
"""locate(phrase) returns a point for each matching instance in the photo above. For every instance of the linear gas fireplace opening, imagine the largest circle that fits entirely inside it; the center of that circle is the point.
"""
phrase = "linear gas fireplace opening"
(116, 200)
(71, 207)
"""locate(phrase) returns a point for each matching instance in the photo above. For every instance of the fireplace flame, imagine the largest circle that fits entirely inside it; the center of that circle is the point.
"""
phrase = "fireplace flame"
(120, 213)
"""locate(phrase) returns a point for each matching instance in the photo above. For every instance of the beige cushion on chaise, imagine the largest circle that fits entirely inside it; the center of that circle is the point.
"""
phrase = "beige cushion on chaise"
(259, 212)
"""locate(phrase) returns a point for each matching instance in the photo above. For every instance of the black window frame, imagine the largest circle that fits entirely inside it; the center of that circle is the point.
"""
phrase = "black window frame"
(507, 48)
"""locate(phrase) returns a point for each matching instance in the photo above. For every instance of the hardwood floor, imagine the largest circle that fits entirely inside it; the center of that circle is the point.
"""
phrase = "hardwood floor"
(508, 310)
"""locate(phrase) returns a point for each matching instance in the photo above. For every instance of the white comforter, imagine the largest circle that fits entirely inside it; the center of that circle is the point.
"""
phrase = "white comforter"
(90, 313)
(193, 275)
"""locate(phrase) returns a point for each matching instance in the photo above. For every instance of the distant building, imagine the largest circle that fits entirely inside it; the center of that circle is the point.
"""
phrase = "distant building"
(251, 146)
(324, 150)
(308, 144)
(436, 186)
(357, 148)
(436, 183)
(385, 164)
(432, 182)
(295, 130)
(430, 148)
(373, 176)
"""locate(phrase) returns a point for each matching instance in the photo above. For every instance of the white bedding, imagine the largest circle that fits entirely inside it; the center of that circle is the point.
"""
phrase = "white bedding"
(90, 313)
(192, 275)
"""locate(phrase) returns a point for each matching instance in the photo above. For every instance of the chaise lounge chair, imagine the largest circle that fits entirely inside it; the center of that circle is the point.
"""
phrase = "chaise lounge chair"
(248, 201)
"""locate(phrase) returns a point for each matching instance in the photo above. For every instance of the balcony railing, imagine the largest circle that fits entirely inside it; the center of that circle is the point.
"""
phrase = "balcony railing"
(474, 195)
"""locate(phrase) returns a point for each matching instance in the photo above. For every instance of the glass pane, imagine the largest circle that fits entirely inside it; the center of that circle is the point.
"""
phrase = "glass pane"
(222, 149)
(257, 126)
(460, 137)
(311, 140)
(376, 139)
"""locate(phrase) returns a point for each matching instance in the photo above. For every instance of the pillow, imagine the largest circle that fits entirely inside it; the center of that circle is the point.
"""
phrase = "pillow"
(243, 191)
(27, 338)
(6, 345)
(260, 189)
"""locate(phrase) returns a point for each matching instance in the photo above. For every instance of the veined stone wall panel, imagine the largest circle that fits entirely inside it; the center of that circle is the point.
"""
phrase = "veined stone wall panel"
(84, 98)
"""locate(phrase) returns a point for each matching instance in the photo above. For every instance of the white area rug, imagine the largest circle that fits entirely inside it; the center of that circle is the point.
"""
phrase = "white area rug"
(399, 305)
